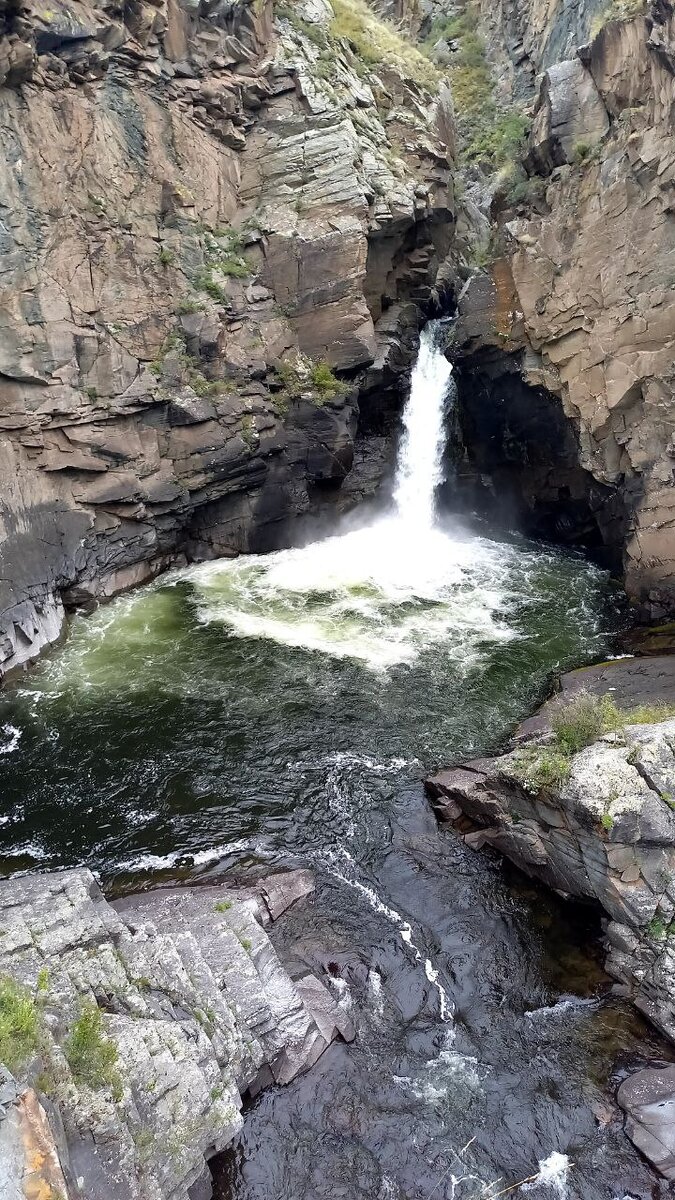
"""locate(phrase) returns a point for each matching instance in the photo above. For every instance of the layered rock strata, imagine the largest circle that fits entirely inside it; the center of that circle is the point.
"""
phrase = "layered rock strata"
(201, 206)
(199, 1011)
(580, 304)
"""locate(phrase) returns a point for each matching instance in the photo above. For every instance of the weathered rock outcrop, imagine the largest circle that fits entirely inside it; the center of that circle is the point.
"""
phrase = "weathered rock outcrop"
(194, 1001)
(581, 304)
(199, 205)
(601, 830)
(606, 832)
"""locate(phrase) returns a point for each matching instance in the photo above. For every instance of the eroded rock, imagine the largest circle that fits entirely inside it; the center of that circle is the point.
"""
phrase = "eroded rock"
(192, 199)
(648, 1099)
(605, 832)
(197, 1005)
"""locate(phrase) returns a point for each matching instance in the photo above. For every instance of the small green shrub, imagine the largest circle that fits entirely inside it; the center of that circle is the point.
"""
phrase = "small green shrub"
(543, 768)
(238, 268)
(607, 821)
(657, 928)
(206, 283)
(91, 1055)
(617, 10)
(579, 722)
(582, 150)
(247, 944)
(187, 305)
(166, 257)
(324, 382)
(19, 1024)
(249, 432)
(222, 906)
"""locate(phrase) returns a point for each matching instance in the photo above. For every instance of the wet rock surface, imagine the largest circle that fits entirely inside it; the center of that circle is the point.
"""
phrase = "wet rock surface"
(197, 1005)
(648, 1099)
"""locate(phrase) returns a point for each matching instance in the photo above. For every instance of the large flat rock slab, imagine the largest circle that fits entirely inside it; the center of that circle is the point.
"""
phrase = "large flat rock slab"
(190, 992)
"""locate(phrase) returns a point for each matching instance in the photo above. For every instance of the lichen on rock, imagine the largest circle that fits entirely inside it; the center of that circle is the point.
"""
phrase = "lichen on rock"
(153, 1018)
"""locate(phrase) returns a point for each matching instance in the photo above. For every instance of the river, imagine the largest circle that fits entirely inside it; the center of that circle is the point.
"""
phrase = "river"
(265, 712)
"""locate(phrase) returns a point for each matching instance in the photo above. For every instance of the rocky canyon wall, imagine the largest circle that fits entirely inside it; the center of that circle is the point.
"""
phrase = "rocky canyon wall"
(580, 303)
(206, 209)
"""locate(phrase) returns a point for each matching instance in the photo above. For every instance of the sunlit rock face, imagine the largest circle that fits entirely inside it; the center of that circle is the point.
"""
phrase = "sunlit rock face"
(191, 201)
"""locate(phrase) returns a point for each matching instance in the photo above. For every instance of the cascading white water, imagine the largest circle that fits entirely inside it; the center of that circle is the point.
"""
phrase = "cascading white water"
(419, 469)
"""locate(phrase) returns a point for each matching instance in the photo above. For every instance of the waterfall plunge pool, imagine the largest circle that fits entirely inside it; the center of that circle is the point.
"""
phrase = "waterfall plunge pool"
(266, 712)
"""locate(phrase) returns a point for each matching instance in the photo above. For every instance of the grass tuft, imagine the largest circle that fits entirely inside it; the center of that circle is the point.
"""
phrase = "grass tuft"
(19, 1025)
(576, 725)
(377, 43)
(617, 10)
(91, 1055)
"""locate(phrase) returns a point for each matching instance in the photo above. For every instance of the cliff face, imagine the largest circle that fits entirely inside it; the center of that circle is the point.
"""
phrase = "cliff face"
(203, 208)
(583, 300)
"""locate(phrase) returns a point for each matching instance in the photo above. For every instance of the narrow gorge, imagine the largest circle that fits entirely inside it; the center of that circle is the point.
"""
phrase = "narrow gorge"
(337, 424)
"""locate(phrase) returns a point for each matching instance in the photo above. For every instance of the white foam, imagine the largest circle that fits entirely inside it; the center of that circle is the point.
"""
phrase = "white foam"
(552, 1174)
(345, 872)
(565, 1005)
(159, 862)
(376, 994)
(11, 737)
(26, 850)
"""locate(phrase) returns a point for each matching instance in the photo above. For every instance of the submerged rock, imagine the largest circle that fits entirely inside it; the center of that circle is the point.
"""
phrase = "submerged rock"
(197, 1011)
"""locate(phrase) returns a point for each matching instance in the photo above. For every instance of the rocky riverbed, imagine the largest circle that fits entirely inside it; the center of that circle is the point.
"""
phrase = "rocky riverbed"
(596, 823)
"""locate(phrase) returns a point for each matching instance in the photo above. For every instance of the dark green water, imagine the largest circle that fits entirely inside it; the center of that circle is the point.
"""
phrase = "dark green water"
(284, 711)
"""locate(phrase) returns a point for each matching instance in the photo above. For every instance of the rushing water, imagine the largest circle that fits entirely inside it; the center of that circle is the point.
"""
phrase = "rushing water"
(283, 710)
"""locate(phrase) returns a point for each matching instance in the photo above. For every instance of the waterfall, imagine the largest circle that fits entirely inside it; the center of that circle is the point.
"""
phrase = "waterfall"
(387, 591)
(419, 469)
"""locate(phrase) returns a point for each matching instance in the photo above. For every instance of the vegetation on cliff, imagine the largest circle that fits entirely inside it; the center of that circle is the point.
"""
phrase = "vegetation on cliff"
(375, 41)
(19, 1025)
(576, 725)
(617, 10)
(490, 134)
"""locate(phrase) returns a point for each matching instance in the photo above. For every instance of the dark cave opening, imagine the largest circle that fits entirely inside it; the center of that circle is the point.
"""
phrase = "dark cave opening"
(517, 462)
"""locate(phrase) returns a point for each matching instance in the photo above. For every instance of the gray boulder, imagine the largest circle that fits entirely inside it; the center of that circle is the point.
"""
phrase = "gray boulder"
(648, 1099)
